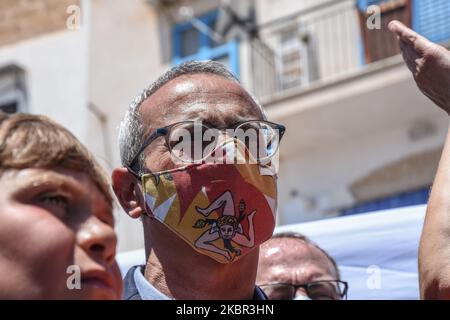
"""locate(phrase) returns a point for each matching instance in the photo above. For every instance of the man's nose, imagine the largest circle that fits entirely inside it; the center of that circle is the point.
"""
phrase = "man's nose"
(98, 239)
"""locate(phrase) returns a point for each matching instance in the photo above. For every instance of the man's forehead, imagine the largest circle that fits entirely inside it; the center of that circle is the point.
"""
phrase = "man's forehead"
(185, 97)
(291, 251)
(294, 253)
(280, 247)
(197, 83)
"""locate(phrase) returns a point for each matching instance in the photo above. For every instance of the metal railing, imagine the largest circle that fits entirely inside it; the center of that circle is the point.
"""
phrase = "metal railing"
(323, 42)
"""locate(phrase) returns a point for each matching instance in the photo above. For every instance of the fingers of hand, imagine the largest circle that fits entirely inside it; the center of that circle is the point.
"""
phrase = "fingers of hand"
(410, 56)
(409, 36)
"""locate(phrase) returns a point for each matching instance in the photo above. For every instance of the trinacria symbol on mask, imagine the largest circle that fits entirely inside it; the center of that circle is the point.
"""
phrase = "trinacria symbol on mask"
(228, 227)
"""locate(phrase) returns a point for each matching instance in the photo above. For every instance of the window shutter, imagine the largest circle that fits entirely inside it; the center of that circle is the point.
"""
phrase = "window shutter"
(431, 18)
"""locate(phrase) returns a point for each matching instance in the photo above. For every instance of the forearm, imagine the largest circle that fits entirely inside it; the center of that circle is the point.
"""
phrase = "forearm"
(430, 65)
(434, 250)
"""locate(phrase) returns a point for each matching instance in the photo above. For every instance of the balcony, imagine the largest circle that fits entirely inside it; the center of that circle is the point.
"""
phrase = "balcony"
(332, 41)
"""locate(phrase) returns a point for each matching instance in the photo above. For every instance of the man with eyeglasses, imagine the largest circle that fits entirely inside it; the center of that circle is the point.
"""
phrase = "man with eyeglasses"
(291, 267)
(199, 168)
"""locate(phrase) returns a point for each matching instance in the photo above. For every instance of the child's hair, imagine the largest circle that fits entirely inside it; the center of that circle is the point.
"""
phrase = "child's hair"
(34, 141)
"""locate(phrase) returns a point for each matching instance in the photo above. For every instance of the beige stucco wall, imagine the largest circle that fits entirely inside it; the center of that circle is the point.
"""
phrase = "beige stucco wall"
(54, 61)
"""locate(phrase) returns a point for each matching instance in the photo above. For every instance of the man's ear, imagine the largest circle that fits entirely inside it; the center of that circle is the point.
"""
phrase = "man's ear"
(126, 188)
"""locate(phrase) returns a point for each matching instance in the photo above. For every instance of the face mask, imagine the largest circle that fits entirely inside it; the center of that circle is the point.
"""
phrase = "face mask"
(221, 210)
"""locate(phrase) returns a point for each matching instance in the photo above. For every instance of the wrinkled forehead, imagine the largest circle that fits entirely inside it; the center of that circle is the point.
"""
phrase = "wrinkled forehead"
(210, 98)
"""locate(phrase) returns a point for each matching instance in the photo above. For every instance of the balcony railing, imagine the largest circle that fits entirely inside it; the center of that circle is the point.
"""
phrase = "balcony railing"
(322, 43)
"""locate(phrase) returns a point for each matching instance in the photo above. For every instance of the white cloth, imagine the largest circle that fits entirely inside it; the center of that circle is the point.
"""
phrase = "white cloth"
(383, 243)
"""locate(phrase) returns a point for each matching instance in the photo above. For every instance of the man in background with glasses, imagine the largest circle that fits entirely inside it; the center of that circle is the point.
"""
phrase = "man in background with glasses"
(199, 169)
(291, 267)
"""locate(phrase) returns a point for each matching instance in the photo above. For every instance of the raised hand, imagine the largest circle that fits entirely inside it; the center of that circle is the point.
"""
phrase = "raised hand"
(428, 62)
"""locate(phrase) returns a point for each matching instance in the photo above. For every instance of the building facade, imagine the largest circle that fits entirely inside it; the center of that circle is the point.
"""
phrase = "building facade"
(360, 136)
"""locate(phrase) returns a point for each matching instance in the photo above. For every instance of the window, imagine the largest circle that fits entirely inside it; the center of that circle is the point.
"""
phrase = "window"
(12, 90)
(431, 18)
(188, 40)
(294, 59)
(189, 43)
(289, 59)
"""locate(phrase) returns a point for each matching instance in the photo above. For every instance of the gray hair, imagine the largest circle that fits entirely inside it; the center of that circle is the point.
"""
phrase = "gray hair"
(132, 130)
